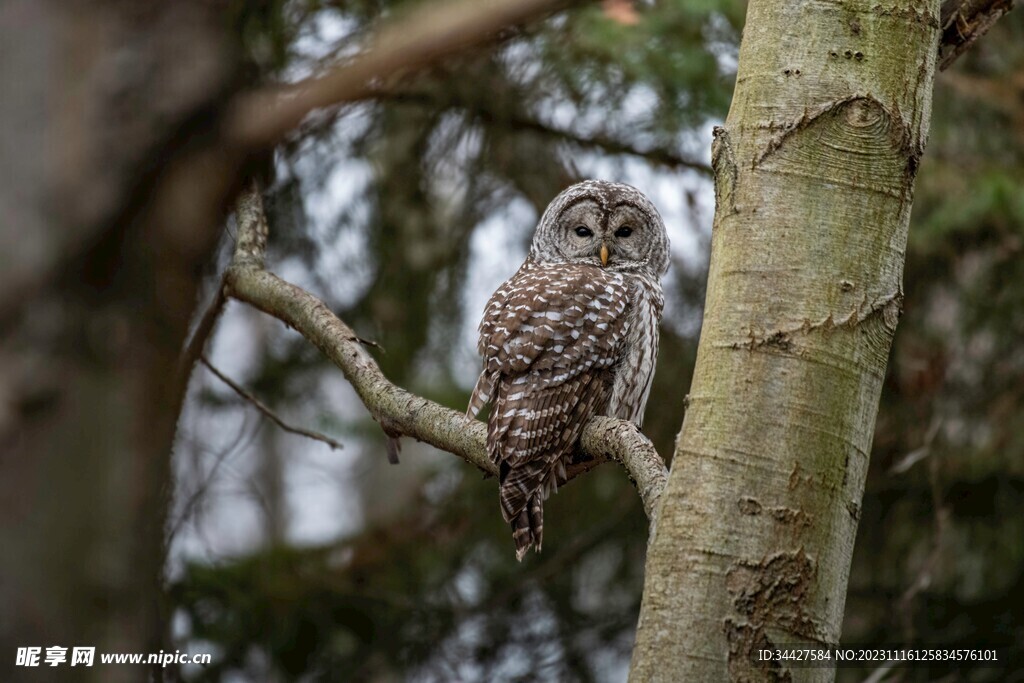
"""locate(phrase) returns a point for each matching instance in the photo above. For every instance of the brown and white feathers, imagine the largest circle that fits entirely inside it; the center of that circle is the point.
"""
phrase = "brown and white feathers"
(573, 334)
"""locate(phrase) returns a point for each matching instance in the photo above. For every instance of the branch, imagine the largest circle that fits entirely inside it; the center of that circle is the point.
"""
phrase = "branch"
(963, 22)
(656, 155)
(249, 250)
(397, 410)
(253, 231)
(263, 408)
(622, 441)
(423, 37)
(485, 112)
(204, 330)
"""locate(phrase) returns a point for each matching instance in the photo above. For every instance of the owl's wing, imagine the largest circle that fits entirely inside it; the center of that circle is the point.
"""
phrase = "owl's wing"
(546, 338)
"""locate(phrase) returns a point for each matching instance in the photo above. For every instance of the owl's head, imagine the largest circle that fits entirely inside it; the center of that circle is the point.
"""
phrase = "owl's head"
(610, 225)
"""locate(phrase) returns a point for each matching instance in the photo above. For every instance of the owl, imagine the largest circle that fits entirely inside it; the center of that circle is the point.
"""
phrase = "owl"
(573, 334)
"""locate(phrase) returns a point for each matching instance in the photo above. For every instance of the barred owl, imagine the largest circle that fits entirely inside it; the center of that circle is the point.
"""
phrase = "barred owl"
(573, 334)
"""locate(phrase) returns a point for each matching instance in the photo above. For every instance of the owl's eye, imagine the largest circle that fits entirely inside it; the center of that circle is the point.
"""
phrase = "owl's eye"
(624, 231)
(584, 231)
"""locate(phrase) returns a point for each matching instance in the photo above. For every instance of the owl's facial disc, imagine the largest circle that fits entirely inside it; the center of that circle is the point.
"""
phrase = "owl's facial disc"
(603, 224)
(582, 228)
(624, 233)
(610, 239)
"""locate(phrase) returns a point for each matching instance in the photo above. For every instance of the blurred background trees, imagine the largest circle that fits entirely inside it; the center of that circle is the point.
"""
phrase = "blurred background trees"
(291, 561)
(405, 211)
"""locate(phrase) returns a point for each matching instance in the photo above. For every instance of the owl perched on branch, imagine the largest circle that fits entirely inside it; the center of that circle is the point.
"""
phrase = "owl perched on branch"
(573, 334)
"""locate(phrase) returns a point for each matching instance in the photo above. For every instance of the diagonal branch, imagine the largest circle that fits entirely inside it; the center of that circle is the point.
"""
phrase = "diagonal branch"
(204, 330)
(395, 409)
(963, 22)
(425, 36)
(266, 410)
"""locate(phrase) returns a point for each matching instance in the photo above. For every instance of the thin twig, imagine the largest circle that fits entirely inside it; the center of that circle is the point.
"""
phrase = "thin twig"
(926, 573)
(204, 330)
(880, 673)
(201, 489)
(370, 342)
(262, 407)
(608, 144)
(518, 121)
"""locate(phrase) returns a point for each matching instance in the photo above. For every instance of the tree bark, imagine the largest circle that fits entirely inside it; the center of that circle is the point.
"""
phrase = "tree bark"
(814, 175)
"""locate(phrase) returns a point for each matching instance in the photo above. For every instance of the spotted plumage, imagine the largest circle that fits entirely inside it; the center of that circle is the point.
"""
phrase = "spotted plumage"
(573, 334)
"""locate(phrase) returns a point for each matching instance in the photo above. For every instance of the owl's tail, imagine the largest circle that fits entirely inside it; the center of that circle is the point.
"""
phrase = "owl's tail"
(521, 493)
(528, 527)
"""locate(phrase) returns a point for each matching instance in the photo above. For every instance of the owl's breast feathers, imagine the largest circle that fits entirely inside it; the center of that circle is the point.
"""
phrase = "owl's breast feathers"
(635, 372)
(547, 325)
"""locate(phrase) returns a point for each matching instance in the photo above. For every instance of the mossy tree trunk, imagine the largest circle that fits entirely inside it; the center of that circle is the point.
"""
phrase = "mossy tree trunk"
(814, 173)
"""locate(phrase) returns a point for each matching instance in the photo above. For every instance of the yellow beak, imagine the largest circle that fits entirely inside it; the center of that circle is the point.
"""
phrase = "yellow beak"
(604, 254)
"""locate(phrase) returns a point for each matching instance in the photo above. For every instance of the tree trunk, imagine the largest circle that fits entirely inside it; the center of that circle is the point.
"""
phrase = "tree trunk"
(111, 198)
(814, 176)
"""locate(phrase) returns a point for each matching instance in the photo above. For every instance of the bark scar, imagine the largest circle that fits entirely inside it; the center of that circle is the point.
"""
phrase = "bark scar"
(888, 310)
(855, 141)
(724, 164)
(770, 593)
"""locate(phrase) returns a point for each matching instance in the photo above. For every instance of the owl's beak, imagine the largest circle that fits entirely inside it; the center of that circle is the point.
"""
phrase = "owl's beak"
(604, 254)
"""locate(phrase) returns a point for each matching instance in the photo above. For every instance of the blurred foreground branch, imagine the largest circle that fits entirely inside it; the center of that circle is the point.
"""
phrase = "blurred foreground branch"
(396, 410)
(427, 34)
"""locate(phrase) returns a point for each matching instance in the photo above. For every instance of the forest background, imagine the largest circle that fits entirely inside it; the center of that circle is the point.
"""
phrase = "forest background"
(406, 211)
(288, 558)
